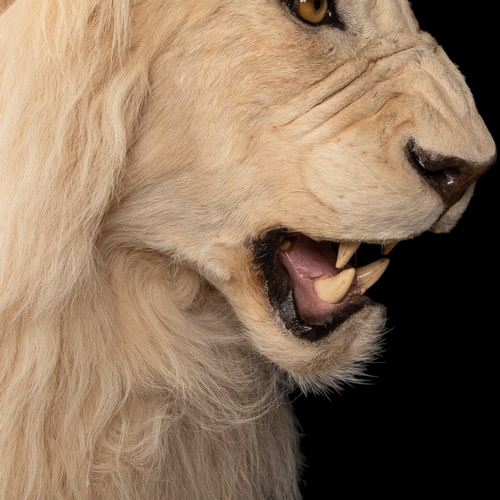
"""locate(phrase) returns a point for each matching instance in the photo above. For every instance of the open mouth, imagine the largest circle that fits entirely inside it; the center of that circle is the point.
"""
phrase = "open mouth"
(314, 286)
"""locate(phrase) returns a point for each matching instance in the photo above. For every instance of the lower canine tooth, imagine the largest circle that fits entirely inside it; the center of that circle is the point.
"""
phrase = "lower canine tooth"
(346, 251)
(368, 275)
(333, 289)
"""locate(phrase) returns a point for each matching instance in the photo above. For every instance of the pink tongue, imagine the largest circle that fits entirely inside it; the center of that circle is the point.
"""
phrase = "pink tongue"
(305, 261)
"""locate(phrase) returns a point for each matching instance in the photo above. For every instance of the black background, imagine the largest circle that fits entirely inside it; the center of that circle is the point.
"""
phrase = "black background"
(426, 423)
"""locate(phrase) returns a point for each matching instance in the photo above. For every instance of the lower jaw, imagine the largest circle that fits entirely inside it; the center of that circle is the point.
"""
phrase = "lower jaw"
(313, 332)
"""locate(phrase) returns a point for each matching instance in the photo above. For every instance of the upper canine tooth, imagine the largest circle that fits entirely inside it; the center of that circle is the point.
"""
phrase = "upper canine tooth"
(333, 289)
(387, 247)
(368, 275)
(346, 251)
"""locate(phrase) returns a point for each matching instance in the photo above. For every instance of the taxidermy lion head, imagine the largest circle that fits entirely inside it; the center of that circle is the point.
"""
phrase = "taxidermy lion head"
(183, 188)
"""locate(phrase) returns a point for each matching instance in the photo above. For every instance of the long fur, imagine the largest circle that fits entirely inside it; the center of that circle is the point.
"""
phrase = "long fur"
(86, 411)
(124, 372)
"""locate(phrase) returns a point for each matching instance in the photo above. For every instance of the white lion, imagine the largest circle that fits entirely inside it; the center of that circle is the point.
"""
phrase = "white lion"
(183, 187)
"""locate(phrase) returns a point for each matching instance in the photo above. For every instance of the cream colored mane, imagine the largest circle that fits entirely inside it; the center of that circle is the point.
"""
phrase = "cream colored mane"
(64, 129)
(75, 92)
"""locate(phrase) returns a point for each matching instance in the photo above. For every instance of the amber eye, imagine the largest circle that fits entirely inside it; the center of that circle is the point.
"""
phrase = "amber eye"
(311, 11)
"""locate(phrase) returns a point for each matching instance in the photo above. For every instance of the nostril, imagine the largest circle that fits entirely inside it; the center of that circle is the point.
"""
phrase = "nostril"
(450, 176)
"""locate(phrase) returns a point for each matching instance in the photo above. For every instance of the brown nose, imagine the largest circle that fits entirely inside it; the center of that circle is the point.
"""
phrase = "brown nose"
(448, 175)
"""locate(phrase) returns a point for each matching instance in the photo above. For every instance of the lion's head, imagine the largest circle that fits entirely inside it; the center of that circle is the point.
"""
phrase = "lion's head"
(278, 148)
(184, 189)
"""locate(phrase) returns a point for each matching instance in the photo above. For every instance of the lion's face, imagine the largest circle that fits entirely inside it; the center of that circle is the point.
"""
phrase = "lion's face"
(271, 148)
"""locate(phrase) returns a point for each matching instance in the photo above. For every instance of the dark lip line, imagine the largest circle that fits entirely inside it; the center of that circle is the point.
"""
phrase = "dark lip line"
(277, 287)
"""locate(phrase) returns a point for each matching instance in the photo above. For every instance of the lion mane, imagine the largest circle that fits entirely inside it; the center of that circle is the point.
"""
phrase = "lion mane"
(166, 167)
